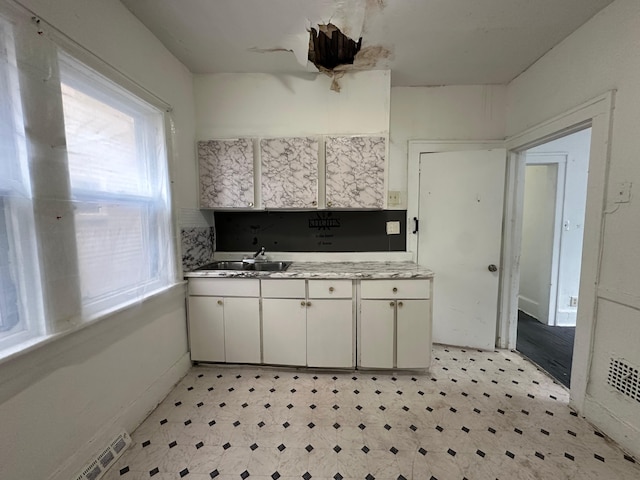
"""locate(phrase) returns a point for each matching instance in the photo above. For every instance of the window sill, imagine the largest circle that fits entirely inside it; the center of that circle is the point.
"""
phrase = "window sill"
(36, 343)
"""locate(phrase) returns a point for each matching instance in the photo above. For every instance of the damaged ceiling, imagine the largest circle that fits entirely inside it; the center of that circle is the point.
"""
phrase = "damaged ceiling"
(422, 42)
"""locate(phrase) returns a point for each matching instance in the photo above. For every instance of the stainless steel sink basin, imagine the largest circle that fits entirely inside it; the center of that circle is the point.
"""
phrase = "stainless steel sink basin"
(227, 265)
(238, 265)
(271, 266)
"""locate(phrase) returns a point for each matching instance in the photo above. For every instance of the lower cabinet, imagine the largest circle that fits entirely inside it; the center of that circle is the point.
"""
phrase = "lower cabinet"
(284, 331)
(206, 329)
(311, 323)
(313, 329)
(377, 319)
(330, 333)
(225, 327)
(413, 342)
(395, 324)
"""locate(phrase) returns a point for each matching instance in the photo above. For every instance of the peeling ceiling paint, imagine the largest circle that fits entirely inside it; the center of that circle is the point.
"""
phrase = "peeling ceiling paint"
(423, 42)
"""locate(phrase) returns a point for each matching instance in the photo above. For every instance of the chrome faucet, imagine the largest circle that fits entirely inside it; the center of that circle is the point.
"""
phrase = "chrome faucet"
(260, 252)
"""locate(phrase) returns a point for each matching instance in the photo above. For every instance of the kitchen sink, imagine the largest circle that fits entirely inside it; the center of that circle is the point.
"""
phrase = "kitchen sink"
(271, 266)
(239, 265)
(226, 265)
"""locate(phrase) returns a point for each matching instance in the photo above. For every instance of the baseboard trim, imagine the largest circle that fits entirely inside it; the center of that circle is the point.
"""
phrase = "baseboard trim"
(528, 306)
(126, 420)
(625, 435)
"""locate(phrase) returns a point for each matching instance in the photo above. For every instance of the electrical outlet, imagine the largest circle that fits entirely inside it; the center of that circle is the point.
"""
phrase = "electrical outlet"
(393, 228)
(573, 301)
(394, 198)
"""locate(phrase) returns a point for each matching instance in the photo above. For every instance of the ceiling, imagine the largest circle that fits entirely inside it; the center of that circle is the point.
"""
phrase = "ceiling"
(422, 42)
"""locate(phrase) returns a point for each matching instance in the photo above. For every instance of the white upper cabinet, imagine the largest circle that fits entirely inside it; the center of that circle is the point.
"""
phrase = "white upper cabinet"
(355, 172)
(226, 173)
(289, 172)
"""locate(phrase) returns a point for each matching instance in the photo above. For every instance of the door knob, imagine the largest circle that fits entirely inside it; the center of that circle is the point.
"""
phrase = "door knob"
(493, 268)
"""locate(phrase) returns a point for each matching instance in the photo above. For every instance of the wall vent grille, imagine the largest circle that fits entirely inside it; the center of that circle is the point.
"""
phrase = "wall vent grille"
(101, 463)
(624, 378)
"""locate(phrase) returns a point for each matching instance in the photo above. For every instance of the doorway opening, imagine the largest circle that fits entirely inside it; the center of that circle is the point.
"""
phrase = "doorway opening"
(555, 193)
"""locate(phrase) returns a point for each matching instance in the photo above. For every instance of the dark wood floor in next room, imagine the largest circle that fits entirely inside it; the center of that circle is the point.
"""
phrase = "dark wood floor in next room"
(549, 347)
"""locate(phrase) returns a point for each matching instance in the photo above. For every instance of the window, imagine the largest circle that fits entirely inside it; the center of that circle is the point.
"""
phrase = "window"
(20, 293)
(85, 217)
(117, 172)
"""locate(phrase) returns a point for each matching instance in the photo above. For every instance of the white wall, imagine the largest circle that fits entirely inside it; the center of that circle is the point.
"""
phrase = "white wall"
(61, 403)
(576, 147)
(232, 105)
(603, 54)
(538, 224)
(466, 112)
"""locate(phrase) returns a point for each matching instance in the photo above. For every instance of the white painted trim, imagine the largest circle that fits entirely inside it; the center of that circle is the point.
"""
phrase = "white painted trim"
(603, 418)
(416, 148)
(597, 113)
(511, 249)
(546, 159)
(561, 125)
(528, 306)
(129, 418)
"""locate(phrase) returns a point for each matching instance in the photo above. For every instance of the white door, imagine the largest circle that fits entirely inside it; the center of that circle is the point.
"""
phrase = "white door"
(330, 333)
(242, 329)
(461, 203)
(376, 333)
(284, 331)
(206, 329)
(414, 334)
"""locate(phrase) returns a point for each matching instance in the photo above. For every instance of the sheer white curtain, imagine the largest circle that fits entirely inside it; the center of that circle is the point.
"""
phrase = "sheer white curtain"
(21, 316)
(85, 217)
(118, 188)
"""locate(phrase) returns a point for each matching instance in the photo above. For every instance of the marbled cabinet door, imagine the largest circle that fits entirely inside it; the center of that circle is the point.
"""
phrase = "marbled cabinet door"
(289, 172)
(355, 172)
(226, 173)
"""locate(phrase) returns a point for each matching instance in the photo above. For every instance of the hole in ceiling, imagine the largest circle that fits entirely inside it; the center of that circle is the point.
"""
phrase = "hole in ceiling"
(329, 47)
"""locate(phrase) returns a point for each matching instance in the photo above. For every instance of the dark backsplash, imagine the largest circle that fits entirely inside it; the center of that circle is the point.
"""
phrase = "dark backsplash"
(310, 231)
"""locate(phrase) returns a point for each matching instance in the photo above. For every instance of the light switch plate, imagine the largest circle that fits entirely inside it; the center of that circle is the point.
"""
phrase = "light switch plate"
(393, 228)
(394, 198)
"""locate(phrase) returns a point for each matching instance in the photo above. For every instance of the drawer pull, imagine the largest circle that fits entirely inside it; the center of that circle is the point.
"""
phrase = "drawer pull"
(395, 290)
(331, 289)
(392, 304)
(400, 304)
(308, 304)
(303, 303)
(219, 302)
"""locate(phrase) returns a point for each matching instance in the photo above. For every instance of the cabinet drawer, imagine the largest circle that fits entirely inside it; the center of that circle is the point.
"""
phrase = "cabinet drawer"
(225, 287)
(395, 288)
(330, 289)
(283, 289)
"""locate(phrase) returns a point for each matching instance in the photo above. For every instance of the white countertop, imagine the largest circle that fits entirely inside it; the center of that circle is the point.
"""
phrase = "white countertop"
(346, 270)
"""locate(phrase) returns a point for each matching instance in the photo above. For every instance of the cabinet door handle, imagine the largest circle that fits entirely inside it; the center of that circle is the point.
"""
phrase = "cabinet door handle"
(251, 204)
(400, 304)
(303, 303)
(308, 304)
(395, 290)
(392, 304)
(329, 204)
(331, 289)
(219, 302)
